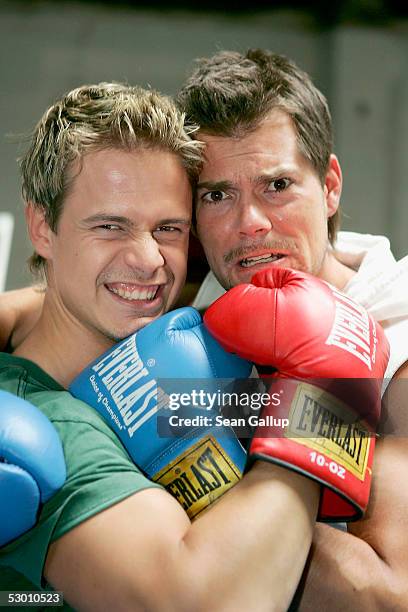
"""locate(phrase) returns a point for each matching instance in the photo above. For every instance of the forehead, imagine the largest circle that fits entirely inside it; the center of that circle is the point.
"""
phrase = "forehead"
(273, 143)
(123, 169)
(114, 178)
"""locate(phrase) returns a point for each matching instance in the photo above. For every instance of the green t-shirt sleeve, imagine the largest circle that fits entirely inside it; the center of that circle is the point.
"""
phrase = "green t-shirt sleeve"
(100, 473)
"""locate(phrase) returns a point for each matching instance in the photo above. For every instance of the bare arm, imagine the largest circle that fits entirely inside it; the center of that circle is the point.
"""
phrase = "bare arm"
(246, 552)
(367, 568)
(19, 311)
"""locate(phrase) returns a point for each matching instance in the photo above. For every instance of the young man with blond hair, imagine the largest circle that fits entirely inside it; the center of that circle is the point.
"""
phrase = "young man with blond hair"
(107, 182)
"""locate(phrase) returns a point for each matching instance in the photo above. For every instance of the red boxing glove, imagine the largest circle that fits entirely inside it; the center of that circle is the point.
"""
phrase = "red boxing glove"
(330, 356)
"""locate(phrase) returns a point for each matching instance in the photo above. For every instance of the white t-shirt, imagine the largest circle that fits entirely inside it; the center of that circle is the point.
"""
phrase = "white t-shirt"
(380, 285)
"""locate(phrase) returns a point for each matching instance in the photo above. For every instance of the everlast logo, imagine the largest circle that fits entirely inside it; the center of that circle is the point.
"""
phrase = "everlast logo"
(133, 393)
(351, 329)
(199, 477)
(320, 425)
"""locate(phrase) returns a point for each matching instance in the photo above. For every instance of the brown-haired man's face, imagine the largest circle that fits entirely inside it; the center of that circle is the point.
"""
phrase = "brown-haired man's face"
(260, 203)
(118, 259)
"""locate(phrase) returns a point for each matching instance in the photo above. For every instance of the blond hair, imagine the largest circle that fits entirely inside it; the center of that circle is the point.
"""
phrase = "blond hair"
(97, 117)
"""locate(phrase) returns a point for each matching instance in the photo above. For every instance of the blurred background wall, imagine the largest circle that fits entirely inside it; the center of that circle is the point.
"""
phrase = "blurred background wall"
(356, 53)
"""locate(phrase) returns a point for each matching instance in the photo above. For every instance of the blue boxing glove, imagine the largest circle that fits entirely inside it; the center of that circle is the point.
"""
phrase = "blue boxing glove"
(32, 465)
(202, 462)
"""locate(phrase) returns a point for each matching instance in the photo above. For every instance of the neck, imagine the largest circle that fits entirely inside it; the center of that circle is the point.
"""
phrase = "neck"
(335, 272)
(60, 345)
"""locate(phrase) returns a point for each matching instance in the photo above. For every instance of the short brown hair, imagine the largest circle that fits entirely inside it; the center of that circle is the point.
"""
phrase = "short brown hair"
(92, 118)
(230, 93)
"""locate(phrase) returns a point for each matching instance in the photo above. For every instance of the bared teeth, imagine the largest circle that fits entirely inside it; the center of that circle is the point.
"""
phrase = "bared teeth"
(252, 261)
(135, 294)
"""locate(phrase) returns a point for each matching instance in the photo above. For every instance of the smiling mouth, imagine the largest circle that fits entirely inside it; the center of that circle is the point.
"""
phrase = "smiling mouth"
(247, 262)
(133, 294)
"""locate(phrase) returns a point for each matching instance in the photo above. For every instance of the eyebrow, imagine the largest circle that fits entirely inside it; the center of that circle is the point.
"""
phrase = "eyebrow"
(268, 178)
(101, 218)
(215, 185)
(279, 172)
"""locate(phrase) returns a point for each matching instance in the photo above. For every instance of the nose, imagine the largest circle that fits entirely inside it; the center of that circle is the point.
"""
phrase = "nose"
(253, 219)
(144, 256)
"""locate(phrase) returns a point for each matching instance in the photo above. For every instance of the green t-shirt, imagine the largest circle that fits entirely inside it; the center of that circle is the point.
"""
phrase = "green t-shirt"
(100, 473)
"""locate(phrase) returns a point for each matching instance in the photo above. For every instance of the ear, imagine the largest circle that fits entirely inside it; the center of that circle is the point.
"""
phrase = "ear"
(39, 231)
(332, 186)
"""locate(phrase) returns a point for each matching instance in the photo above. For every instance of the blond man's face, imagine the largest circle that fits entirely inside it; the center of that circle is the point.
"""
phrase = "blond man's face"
(118, 258)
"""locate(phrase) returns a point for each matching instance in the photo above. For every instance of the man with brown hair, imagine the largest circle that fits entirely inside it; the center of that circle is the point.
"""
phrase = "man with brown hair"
(269, 195)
